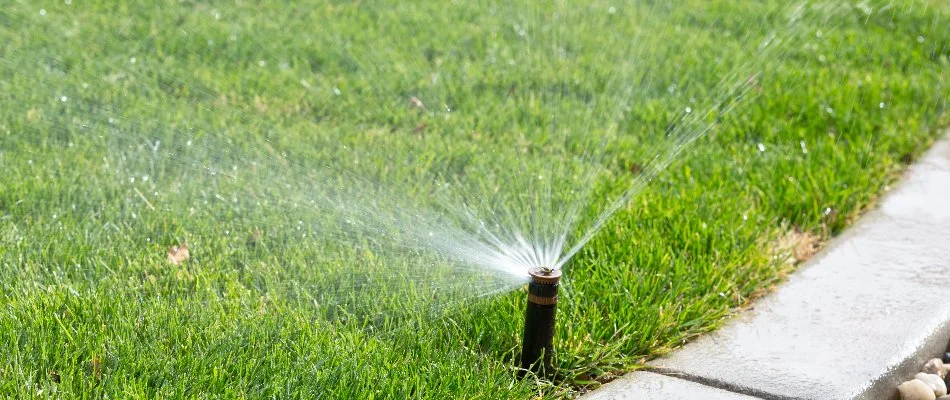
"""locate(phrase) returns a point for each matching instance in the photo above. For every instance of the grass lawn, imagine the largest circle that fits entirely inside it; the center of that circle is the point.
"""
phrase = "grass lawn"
(319, 158)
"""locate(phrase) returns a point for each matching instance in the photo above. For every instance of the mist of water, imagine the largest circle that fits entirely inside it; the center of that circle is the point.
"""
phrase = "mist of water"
(426, 161)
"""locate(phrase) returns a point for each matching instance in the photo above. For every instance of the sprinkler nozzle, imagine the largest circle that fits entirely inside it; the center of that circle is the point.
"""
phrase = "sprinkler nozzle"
(537, 343)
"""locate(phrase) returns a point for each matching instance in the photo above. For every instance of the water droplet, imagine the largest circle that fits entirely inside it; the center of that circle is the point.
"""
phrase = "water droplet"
(132, 60)
(612, 10)
(188, 143)
(63, 99)
(761, 147)
(689, 110)
(881, 105)
(29, 162)
(431, 234)
(43, 11)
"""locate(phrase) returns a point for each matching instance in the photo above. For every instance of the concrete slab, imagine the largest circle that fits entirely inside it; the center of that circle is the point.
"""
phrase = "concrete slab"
(854, 321)
(645, 385)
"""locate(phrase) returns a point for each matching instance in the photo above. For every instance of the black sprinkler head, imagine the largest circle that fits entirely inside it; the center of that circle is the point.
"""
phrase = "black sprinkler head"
(537, 343)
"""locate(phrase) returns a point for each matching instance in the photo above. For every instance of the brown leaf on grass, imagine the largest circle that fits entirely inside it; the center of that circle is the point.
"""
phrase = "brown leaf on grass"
(95, 368)
(32, 115)
(178, 254)
(255, 238)
(221, 101)
(260, 105)
(635, 168)
(797, 246)
(54, 376)
(806, 246)
(754, 82)
(415, 102)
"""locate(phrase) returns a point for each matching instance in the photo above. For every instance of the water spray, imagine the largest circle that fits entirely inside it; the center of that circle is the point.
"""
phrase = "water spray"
(537, 343)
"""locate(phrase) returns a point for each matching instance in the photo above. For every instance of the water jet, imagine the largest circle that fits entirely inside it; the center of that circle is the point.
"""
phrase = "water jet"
(537, 342)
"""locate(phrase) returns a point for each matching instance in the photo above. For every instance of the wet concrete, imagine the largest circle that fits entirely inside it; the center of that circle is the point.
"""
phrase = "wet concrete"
(857, 319)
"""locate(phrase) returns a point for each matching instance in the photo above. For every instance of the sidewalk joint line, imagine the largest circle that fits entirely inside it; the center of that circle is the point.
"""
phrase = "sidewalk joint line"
(717, 384)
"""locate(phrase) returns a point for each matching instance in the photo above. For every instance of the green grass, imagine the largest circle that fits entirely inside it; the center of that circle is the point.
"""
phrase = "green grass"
(264, 107)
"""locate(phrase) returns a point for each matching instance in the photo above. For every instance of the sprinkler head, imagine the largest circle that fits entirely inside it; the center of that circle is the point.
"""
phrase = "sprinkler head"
(537, 343)
(545, 273)
(543, 287)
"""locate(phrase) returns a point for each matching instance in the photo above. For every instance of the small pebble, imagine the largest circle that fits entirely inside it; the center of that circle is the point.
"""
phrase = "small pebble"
(935, 382)
(916, 390)
(935, 366)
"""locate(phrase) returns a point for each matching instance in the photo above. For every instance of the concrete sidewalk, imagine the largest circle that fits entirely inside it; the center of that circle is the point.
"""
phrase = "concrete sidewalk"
(852, 323)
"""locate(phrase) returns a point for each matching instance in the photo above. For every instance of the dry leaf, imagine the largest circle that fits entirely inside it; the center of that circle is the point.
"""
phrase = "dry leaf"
(797, 246)
(635, 168)
(417, 103)
(95, 368)
(32, 115)
(178, 254)
(255, 238)
(259, 104)
(54, 376)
